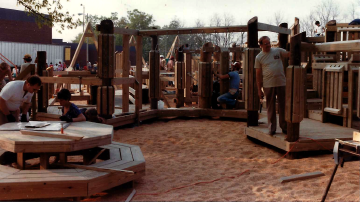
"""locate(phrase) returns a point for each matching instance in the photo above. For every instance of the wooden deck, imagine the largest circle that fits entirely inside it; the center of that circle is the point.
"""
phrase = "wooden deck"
(314, 135)
(75, 182)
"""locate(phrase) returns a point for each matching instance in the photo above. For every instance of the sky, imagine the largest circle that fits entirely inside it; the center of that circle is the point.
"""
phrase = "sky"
(188, 11)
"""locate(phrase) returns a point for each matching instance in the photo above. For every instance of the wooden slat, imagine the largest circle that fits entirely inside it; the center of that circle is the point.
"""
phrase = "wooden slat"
(272, 28)
(289, 92)
(328, 81)
(333, 110)
(126, 68)
(338, 46)
(332, 80)
(118, 30)
(202, 30)
(48, 134)
(301, 176)
(336, 90)
(138, 76)
(72, 80)
(340, 90)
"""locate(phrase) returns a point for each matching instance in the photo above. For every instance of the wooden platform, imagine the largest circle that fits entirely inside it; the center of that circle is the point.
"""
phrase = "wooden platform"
(324, 135)
(75, 182)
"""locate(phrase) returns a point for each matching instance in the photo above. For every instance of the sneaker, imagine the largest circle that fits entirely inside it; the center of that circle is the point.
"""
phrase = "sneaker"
(271, 133)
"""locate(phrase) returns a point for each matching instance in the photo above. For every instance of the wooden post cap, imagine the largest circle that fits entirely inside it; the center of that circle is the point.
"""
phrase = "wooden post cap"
(105, 27)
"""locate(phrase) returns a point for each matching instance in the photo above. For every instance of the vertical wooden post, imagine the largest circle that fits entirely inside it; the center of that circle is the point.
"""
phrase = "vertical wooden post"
(188, 76)
(51, 85)
(125, 72)
(154, 73)
(205, 77)
(224, 69)
(330, 36)
(42, 94)
(179, 77)
(295, 84)
(20, 161)
(283, 40)
(106, 70)
(250, 77)
(138, 75)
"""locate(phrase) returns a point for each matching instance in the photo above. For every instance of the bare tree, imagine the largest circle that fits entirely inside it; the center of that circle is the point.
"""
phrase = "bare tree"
(307, 24)
(352, 10)
(277, 18)
(215, 21)
(327, 10)
(228, 37)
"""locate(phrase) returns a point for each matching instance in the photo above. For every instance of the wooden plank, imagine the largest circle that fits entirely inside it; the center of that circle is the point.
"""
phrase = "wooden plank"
(49, 134)
(297, 109)
(336, 90)
(350, 96)
(44, 161)
(345, 46)
(332, 80)
(126, 68)
(340, 90)
(328, 81)
(118, 30)
(138, 76)
(333, 111)
(356, 136)
(108, 170)
(72, 80)
(289, 92)
(78, 48)
(202, 30)
(272, 28)
(301, 176)
(20, 160)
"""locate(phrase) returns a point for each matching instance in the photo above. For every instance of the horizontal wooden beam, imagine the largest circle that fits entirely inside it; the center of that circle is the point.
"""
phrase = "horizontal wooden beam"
(119, 81)
(338, 46)
(320, 39)
(118, 30)
(201, 30)
(272, 28)
(236, 49)
(72, 80)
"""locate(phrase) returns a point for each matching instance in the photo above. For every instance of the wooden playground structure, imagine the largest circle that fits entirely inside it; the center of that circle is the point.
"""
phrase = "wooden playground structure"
(322, 82)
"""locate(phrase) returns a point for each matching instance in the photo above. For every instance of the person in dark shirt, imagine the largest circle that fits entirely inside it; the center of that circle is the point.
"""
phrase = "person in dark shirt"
(70, 112)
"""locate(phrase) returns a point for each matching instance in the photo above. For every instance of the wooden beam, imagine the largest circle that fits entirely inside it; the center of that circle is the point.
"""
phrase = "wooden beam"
(272, 28)
(76, 54)
(337, 46)
(118, 30)
(48, 134)
(202, 30)
(72, 80)
(138, 76)
(301, 176)
(125, 71)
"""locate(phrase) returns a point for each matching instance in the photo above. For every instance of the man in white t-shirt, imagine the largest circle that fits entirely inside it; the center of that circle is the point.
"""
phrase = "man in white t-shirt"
(271, 77)
(319, 30)
(15, 94)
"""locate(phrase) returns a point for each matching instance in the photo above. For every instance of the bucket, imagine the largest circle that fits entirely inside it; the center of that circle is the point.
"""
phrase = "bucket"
(160, 104)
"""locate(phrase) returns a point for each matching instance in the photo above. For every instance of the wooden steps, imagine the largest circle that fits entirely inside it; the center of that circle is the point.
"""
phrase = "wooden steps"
(75, 182)
(315, 115)
(311, 94)
(314, 104)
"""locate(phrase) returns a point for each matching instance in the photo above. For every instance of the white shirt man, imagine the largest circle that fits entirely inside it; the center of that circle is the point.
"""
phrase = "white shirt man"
(15, 94)
(319, 30)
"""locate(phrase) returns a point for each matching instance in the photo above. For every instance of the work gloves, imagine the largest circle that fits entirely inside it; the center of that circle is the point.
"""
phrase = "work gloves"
(23, 118)
(10, 118)
(66, 118)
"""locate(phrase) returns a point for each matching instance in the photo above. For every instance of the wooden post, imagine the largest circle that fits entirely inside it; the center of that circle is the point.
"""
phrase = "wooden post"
(295, 84)
(224, 69)
(43, 92)
(125, 72)
(51, 85)
(138, 75)
(283, 40)
(179, 77)
(205, 77)
(106, 70)
(251, 95)
(188, 76)
(330, 36)
(154, 73)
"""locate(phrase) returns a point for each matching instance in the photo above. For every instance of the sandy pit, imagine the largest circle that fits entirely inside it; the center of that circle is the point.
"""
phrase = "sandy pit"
(181, 153)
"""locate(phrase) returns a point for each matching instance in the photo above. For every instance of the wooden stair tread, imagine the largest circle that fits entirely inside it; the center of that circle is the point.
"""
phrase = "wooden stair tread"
(314, 100)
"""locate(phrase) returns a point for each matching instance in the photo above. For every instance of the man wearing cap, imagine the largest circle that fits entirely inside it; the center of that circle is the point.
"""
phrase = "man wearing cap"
(162, 63)
(15, 94)
(27, 61)
(229, 98)
(270, 76)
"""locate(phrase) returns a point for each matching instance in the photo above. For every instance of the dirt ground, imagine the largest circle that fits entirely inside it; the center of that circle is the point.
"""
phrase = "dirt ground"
(181, 153)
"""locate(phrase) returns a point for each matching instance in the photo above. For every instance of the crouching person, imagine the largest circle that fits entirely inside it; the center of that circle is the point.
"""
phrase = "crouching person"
(229, 98)
(70, 112)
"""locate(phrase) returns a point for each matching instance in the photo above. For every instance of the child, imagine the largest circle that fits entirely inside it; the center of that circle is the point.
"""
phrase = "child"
(92, 115)
(70, 112)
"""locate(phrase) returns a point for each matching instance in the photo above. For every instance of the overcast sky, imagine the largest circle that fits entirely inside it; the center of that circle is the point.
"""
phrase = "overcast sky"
(188, 11)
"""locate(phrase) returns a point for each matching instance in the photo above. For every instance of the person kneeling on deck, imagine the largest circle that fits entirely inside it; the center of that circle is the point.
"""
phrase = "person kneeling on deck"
(271, 77)
(229, 98)
(13, 95)
(70, 112)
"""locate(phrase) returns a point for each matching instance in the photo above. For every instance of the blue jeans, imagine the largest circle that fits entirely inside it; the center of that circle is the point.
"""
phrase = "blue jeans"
(228, 99)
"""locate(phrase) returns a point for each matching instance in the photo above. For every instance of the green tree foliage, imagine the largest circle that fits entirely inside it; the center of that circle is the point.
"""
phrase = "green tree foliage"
(54, 13)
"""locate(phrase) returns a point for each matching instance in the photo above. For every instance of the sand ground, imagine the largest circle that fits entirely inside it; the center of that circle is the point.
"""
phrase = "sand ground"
(180, 153)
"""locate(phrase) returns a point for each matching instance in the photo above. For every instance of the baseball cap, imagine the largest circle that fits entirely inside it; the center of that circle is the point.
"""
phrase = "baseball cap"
(236, 64)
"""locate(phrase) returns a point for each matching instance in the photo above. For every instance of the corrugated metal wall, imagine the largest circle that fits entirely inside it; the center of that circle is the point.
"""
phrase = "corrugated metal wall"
(15, 51)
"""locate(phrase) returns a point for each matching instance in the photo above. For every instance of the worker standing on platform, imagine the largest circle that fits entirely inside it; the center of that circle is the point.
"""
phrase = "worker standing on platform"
(162, 63)
(271, 77)
(229, 98)
(15, 94)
